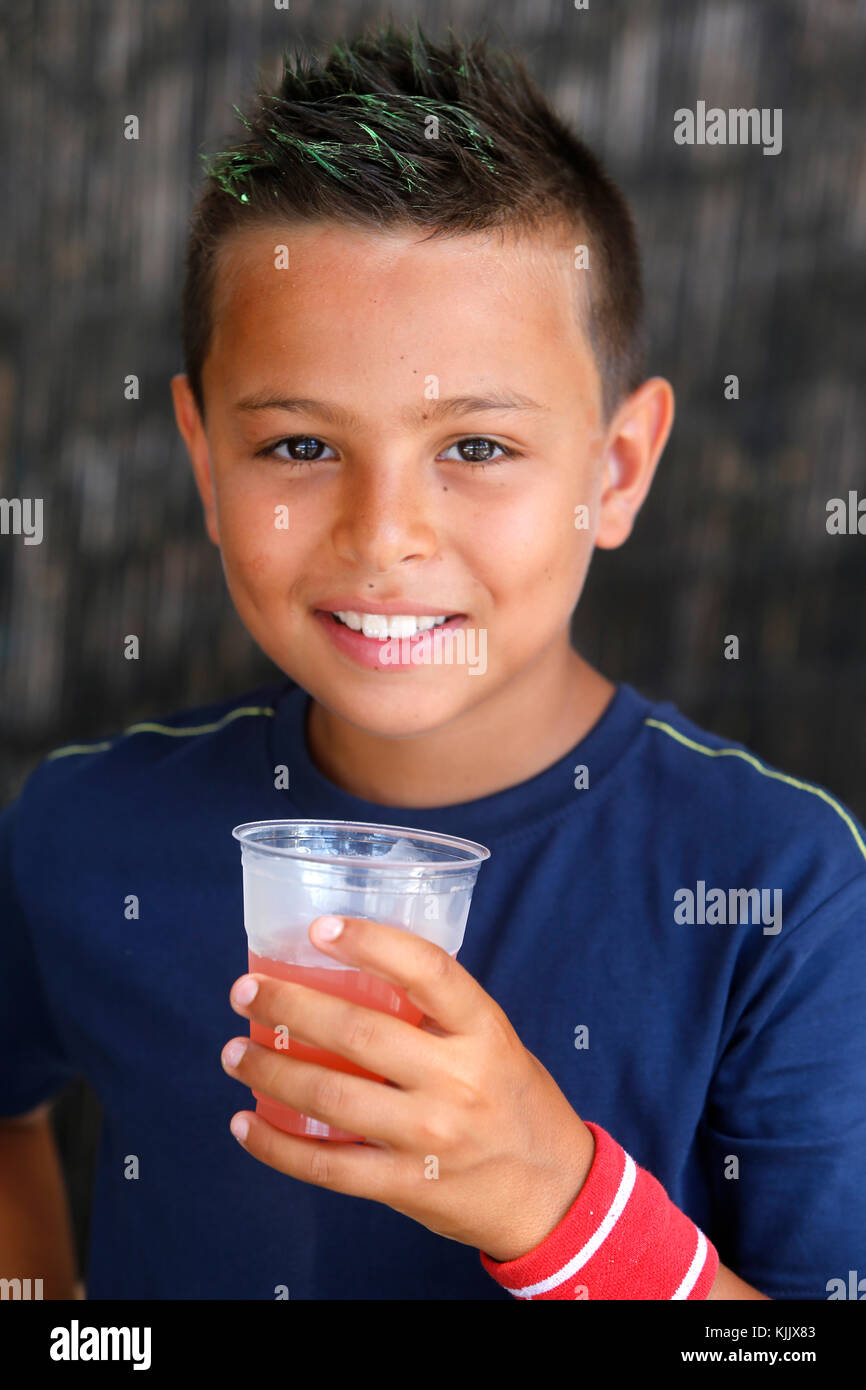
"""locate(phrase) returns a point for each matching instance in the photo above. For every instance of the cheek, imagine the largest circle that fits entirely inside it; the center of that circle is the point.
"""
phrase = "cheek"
(531, 549)
(259, 530)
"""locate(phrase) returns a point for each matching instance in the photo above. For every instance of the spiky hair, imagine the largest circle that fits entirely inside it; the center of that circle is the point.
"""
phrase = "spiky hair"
(455, 138)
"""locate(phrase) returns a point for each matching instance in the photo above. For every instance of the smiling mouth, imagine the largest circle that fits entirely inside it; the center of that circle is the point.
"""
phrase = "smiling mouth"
(437, 623)
(387, 634)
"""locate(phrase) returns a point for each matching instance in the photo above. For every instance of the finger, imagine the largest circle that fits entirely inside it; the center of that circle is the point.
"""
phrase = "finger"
(354, 1103)
(358, 1170)
(369, 1038)
(433, 980)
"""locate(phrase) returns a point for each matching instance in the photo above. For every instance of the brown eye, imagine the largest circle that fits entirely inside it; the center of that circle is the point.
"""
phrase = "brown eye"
(477, 450)
(303, 446)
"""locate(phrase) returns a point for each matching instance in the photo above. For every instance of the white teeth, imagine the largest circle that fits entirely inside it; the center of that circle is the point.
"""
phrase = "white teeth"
(383, 626)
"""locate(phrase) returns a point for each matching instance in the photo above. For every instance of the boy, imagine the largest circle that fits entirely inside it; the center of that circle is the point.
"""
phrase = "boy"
(414, 387)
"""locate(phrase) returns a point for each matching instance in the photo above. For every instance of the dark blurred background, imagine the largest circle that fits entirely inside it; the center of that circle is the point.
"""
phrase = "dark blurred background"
(753, 264)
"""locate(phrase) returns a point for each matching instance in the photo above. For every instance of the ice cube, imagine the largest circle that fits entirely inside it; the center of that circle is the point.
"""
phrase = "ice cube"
(406, 852)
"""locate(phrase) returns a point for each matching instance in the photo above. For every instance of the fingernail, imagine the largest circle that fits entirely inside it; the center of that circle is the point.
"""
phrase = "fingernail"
(239, 1127)
(328, 928)
(245, 990)
(234, 1051)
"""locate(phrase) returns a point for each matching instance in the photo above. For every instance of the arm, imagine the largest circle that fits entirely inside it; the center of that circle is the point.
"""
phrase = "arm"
(35, 1227)
(609, 1230)
(729, 1286)
(726, 1286)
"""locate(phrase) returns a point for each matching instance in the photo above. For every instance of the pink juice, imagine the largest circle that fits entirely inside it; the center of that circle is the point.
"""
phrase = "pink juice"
(358, 986)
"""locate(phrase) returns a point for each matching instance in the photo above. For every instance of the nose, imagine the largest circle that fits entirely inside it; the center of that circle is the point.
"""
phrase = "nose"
(385, 514)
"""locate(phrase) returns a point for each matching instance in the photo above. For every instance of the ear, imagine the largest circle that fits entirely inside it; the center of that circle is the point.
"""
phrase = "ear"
(192, 430)
(637, 436)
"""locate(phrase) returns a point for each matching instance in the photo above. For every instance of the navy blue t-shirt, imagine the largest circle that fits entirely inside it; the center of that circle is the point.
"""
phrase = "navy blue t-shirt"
(718, 1036)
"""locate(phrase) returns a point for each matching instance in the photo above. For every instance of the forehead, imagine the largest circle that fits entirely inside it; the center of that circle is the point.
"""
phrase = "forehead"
(331, 298)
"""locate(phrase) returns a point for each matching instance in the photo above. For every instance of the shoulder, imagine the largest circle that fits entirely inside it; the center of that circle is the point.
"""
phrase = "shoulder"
(122, 797)
(172, 743)
(737, 807)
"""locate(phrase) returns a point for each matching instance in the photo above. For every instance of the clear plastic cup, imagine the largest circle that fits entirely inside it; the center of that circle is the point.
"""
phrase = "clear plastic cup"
(297, 870)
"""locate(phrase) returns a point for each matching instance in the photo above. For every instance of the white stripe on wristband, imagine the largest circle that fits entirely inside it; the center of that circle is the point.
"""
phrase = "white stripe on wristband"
(695, 1267)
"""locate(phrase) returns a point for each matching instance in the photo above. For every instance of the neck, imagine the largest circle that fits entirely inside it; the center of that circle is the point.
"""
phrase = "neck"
(528, 724)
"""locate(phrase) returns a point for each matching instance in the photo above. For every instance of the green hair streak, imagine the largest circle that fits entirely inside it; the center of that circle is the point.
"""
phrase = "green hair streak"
(231, 168)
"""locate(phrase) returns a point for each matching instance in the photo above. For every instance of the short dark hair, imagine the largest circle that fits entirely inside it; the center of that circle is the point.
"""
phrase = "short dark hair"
(348, 140)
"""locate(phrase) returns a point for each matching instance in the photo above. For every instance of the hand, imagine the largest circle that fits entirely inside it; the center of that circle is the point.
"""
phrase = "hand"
(468, 1135)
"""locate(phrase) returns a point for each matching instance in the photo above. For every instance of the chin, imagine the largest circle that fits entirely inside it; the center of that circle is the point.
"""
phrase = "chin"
(387, 711)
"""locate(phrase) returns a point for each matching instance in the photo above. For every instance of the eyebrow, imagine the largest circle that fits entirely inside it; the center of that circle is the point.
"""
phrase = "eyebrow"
(429, 411)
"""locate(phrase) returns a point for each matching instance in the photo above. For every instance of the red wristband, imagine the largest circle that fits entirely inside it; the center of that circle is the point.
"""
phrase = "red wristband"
(622, 1238)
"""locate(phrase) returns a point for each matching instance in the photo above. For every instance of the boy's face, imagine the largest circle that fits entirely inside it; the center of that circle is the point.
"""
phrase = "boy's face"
(384, 341)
